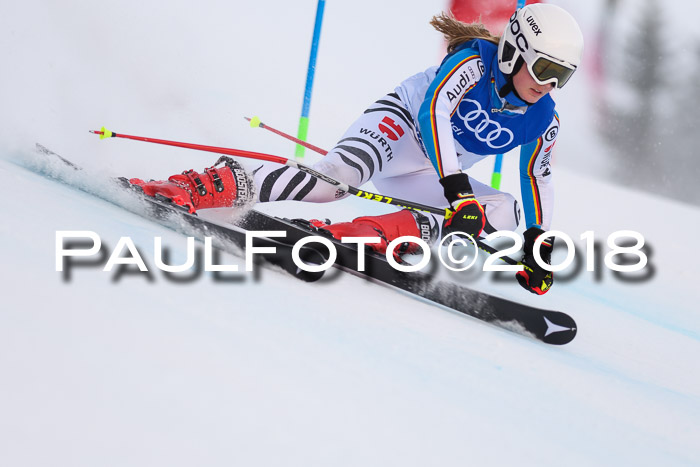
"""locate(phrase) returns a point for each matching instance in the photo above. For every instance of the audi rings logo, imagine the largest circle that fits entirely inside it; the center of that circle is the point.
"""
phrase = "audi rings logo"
(486, 130)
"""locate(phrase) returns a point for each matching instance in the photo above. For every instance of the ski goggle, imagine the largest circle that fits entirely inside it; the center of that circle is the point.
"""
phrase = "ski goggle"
(546, 69)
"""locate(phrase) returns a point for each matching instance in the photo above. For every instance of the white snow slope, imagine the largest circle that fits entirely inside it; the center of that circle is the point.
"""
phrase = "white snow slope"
(269, 370)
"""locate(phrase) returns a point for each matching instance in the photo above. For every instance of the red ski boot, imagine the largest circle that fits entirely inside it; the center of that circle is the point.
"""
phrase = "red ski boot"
(387, 227)
(225, 186)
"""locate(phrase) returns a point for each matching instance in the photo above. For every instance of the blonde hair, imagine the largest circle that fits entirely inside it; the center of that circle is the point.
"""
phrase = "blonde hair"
(457, 33)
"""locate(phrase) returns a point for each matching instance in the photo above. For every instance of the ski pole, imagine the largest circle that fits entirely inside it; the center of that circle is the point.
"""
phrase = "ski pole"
(256, 123)
(104, 133)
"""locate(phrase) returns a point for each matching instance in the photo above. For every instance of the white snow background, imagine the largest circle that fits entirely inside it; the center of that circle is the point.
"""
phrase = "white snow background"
(279, 372)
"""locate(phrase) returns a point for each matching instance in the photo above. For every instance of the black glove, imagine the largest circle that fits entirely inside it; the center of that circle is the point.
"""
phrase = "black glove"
(533, 277)
(467, 213)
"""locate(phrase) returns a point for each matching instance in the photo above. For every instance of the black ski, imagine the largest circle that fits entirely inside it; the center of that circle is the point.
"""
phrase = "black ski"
(552, 327)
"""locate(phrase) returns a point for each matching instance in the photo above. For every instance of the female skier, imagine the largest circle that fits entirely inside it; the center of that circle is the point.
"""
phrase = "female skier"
(489, 95)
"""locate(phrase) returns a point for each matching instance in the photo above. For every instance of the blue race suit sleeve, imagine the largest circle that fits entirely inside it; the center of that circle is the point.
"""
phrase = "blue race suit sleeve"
(457, 75)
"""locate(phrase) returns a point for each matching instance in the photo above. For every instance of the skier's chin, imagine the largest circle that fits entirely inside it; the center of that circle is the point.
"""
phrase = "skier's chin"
(532, 96)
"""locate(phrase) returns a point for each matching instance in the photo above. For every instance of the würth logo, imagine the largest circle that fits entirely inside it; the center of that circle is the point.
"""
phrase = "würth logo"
(386, 127)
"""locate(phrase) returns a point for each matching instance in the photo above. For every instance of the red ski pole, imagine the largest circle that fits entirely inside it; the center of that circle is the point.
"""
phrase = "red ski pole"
(256, 123)
(104, 133)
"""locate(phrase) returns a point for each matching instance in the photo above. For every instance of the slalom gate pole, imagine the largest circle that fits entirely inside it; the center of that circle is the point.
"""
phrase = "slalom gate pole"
(498, 163)
(104, 133)
(496, 175)
(256, 123)
(304, 119)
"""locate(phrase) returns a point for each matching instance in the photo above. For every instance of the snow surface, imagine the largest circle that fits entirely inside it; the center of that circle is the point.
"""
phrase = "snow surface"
(266, 370)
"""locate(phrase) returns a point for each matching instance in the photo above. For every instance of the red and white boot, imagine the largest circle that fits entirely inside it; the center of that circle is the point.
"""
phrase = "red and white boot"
(387, 227)
(226, 186)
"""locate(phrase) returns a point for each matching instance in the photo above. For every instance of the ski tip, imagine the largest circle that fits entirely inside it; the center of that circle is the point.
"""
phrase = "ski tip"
(254, 122)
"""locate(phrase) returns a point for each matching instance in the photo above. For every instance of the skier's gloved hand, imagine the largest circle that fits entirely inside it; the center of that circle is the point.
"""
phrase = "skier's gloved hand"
(533, 277)
(467, 213)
